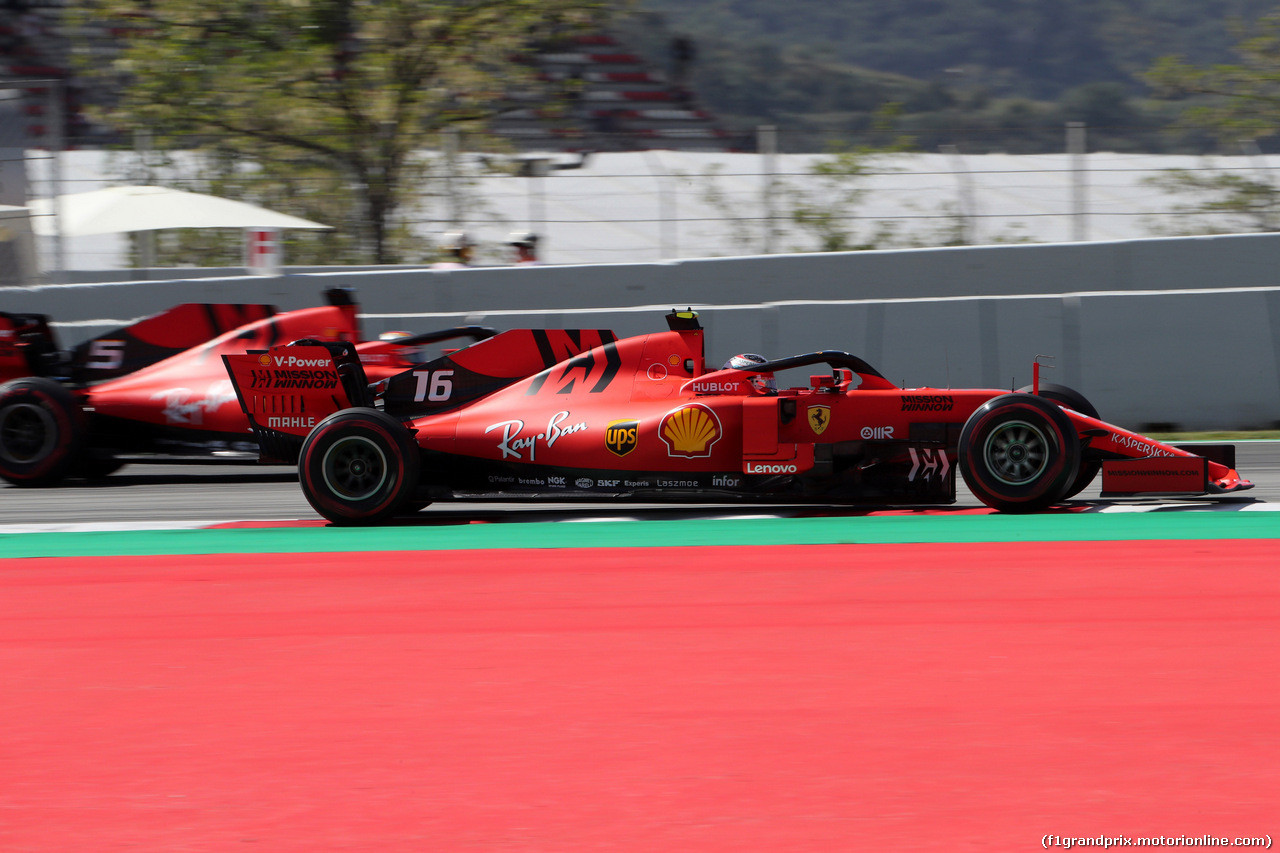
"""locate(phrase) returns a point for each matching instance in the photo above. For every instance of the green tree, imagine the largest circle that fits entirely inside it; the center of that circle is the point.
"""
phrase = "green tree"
(1236, 101)
(1217, 203)
(341, 95)
(824, 207)
(823, 203)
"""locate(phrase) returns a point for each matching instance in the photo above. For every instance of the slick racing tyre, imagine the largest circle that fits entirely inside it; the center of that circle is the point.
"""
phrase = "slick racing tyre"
(1019, 453)
(1073, 399)
(359, 466)
(41, 432)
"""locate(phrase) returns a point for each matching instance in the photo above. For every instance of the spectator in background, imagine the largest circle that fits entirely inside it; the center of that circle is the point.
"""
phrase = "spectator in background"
(683, 54)
(525, 244)
(571, 87)
(456, 247)
(605, 125)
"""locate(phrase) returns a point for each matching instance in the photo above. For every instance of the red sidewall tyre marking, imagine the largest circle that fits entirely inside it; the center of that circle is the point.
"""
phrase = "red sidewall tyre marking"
(33, 392)
(1050, 484)
(323, 438)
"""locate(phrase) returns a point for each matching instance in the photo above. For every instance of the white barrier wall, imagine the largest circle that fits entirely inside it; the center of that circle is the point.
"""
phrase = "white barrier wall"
(1181, 330)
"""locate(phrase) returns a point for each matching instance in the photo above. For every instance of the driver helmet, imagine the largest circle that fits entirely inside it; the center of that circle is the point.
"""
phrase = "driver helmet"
(763, 382)
(523, 239)
(526, 245)
(458, 245)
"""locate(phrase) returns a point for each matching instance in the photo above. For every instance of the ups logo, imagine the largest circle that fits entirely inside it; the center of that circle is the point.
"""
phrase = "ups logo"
(620, 437)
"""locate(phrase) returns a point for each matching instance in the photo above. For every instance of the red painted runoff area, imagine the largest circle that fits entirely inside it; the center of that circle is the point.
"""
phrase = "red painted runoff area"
(971, 696)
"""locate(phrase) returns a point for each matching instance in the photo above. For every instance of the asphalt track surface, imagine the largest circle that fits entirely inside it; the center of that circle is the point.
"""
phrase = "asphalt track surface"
(186, 493)
(688, 681)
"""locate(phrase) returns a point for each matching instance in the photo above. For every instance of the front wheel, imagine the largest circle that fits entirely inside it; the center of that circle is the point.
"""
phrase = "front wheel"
(358, 466)
(1019, 453)
(41, 432)
(1072, 399)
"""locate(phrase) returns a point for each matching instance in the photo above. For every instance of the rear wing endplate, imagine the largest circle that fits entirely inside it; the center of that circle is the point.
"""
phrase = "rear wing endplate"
(285, 391)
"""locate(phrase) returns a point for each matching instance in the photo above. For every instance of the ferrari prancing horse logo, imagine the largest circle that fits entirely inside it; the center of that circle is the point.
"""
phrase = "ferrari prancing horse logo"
(819, 418)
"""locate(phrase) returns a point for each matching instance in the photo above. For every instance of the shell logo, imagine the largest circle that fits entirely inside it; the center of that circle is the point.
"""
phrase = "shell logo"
(690, 431)
(264, 360)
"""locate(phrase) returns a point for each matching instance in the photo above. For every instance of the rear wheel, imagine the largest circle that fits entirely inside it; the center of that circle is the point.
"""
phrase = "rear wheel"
(41, 432)
(1019, 453)
(358, 466)
(1073, 399)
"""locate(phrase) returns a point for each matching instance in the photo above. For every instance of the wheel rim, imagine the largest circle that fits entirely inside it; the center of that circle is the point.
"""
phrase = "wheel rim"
(27, 433)
(355, 468)
(1017, 452)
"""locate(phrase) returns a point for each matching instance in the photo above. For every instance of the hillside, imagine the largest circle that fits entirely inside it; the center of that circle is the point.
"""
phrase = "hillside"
(976, 67)
(1029, 48)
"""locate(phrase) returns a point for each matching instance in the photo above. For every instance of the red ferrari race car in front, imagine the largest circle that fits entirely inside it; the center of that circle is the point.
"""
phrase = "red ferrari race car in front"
(574, 414)
(157, 390)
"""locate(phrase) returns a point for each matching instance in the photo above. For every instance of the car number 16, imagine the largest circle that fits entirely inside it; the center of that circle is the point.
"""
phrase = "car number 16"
(433, 386)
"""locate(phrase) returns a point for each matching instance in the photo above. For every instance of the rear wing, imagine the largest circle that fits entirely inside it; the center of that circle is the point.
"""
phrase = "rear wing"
(285, 391)
(27, 347)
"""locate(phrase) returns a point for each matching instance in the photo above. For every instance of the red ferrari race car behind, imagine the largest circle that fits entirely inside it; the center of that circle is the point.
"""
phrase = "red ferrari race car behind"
(157, 389)
(573, 414)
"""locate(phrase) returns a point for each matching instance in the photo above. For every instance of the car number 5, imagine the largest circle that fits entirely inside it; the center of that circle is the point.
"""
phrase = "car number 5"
(105, 354)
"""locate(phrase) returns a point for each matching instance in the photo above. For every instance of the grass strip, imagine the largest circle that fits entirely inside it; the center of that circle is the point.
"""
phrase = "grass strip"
(1066, 527)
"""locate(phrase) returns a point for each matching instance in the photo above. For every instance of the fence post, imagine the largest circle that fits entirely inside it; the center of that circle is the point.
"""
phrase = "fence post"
(56, 144)
(1079, 181)
(966, 208)
(668, 222)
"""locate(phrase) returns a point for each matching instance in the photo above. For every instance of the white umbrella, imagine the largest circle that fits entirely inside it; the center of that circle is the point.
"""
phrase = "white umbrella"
(120, 209)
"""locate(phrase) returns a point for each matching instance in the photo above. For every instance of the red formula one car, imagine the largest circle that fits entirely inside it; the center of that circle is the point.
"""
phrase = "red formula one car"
(574, 414)
(157, 390)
